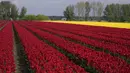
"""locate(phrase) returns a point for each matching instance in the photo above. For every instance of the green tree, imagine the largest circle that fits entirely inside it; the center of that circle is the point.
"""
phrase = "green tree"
(109, 12)
(8, 10)
(69, 12)
(125, 16)
(23, 12)
(14, 12)
(5, 7)
(117, 12)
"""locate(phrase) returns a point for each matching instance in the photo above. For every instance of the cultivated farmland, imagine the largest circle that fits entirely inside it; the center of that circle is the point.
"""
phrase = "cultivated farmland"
(50, 47)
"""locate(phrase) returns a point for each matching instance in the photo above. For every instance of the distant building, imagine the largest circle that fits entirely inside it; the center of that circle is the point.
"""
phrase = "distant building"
(11, 19)
(64, 19)
(56, 17)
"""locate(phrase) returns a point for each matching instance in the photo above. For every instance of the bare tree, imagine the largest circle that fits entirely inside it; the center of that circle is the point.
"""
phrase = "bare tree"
(94, 8)
(87, 10)
(97, 9)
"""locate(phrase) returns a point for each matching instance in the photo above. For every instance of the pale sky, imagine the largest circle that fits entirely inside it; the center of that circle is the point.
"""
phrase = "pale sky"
(54, 7)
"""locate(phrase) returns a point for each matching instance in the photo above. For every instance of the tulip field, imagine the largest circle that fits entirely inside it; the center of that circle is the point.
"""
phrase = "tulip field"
(53, 47)
(95, 23)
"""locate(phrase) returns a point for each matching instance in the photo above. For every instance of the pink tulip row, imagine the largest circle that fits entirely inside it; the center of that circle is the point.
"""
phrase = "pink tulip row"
(42, 57)
(7, 64)
(100, 60)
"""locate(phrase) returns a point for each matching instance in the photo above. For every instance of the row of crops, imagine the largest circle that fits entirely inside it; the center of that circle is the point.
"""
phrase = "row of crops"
(48, 47)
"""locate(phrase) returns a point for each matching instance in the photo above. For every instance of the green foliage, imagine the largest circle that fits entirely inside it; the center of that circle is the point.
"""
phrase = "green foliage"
(33, 17)
(42, 17)
(14, 12)
(29, 17)
(69, 12)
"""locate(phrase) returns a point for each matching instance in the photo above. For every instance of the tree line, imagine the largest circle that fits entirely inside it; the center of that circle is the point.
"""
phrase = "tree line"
(9, 11)
(35, 17)
(98, 11)
(117, 12)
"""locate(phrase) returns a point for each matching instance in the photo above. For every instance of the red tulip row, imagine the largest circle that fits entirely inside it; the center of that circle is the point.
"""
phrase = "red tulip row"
(102, 61)
(111, 32)
(105, 31)
(117, 31)
(2, 23)
(94, 35)
(43, 58)
(104, 38)
(115, 48)
(6, 50)
(99, 37)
